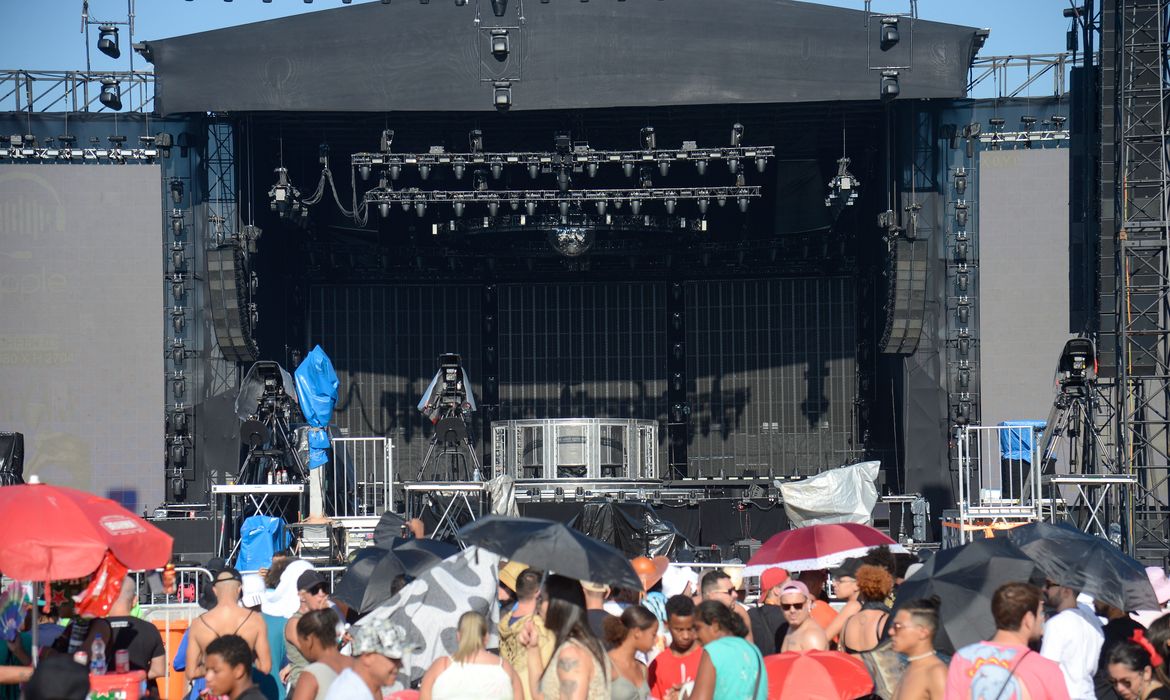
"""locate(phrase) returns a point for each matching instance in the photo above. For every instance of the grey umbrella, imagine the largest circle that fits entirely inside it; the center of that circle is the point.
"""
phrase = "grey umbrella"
(553, 547)
(1086, 563)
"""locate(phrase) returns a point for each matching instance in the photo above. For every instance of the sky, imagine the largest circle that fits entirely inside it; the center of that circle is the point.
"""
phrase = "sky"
(45, 34)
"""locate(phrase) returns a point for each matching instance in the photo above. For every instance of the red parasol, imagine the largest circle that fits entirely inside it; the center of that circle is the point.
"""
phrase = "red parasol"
(817, 675)
(53, 533)
(817, 547)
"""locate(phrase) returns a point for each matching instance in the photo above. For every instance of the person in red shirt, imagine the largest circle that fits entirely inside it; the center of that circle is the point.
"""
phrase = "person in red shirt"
(679, 663)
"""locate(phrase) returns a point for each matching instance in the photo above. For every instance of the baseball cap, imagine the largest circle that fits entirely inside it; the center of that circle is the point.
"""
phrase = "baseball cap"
(380, 637)
(795, 587)
(848, 568)
(58, 677)
(771, 578)
(231, 575)
(309, 580)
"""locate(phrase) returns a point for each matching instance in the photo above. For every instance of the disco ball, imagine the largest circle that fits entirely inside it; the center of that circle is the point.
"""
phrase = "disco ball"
(571, 241)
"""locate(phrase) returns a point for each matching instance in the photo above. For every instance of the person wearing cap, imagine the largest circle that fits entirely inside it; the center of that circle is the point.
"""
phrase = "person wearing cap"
(313, 592)
(862, 631)
(227, 617)
(527, 587)
(845, 588)
(506, 594)
(804, 634)
(595, 612)
(767, 620)
(377, 647)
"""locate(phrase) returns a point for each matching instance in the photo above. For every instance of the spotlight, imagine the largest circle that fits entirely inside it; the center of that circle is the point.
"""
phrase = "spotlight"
(530, 207)
(364, 171)
(628, 168)
(111, 95)
(703, 203)
(494, 207)
(743, 204)
(591, 168)
(736, 134)
(458, 168)
(646, 180)
(649, 141)
(497, 169)
(721, 200)
(843, 186)
(475, 139)
(636, 206)
(563, 205)
(601, 207)
(177, 223)
(176, 190)
(961, 214)
(889, 86)
(420, 208)
(108, 41)
(283, 195)
(502, 89)
(458, 208)
(395, 170)
(515, 204)
(533, 169)
(761, 164)
(499, 7)
(500, 44)
(424, 171)
(384, 209)
(387, 140)
(563, 179)
(889, 33)
(664, 167)
(701, 166)
(960, 181)
(670, 205)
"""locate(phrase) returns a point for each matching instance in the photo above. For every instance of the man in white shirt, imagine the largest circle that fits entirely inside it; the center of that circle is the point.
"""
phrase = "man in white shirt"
(1073, 639)
(378, 647)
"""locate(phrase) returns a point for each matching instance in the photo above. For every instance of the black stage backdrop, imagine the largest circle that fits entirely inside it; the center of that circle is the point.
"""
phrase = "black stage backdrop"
(771, 364)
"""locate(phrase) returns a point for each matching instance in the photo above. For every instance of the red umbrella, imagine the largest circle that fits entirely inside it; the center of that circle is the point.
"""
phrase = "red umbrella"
(53, 533)
(817, 547)
(817, 675)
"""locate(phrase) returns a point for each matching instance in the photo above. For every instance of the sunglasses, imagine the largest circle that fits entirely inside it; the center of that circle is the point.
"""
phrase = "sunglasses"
(317, 590)
(791, 606)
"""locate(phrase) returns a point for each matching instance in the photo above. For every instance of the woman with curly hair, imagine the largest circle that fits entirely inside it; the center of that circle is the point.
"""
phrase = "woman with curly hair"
(862, 631)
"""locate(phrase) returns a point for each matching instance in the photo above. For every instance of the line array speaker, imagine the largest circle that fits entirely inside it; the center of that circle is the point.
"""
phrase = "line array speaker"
(906, 300)
(231, 313)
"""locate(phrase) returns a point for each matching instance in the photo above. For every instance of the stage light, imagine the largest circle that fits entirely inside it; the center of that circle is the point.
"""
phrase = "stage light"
(384, 209)
(761, 164)
(108, 41)
(591, 168)
(721, 200)
(533, 169)
(563, 206)
(406, 205)
(736, 134)
(110, 95)
(743, 204)
(494, 207)
(563, 181)
(176, 190)
(458, 168)
(502, 92)
(515, 204)
(530, 207)
(889, 85)
(670, 205)
(843, 186)
(649, 140)
(475, 140)
(960, 181)
(703, 202)
(178, 352)
(497, 169)
(644, 176)
(636, 206)
(386, 141)
(628, 169)
(961, 214)
(395, 170)
(420, 208)
(460, 3)
(701, 166)
(458, 208)
(424, 170)
(601, 204)
(364, 171)
(500, 44)
(664, 167)
(177, 223)
(499, 7)
(889, 33)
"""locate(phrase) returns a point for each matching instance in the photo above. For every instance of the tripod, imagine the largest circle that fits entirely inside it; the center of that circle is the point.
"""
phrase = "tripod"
(1070, 432)
(451, 430)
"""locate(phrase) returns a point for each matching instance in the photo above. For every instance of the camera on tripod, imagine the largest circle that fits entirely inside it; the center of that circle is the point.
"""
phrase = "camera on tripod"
(1077, 366)
(449, 392)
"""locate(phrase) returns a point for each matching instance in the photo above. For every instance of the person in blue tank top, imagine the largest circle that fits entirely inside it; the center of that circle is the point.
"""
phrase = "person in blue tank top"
(731, 666)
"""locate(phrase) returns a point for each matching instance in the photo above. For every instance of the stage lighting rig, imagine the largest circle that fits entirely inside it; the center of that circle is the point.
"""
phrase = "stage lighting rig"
(111, 94)
(889, 88)
(502, 93)
(889, 35)
(108, 41)
(284, 197)
(843, 186)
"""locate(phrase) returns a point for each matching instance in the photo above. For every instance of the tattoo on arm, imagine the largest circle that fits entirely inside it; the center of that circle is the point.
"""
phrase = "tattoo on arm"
(568, 687)
(567, 664)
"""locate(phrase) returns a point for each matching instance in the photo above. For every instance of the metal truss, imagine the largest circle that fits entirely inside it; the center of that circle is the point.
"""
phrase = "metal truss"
(531, 199)
(34, 154)
(1012, 76)
(73, 91)
(1143, 306)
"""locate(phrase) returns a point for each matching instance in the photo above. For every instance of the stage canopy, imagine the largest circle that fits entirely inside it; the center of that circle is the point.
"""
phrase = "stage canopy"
(409, 56)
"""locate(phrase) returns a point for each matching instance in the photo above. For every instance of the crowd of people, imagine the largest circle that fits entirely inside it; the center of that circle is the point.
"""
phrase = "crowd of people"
(681, 637)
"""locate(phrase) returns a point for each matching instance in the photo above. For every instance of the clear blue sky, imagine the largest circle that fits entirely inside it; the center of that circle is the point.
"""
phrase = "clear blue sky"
(45, 34)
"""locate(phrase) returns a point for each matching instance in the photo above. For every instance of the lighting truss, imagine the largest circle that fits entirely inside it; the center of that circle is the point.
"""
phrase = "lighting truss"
(578, 158)
(1022, 139)
(531, 199)
(108, 155)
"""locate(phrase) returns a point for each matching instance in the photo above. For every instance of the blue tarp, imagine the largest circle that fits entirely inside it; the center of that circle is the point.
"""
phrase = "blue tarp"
(317, 394)
(261, 536)
(1017, 444)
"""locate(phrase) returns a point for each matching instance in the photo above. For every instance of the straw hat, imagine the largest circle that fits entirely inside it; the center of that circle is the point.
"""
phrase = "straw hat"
(510, 572)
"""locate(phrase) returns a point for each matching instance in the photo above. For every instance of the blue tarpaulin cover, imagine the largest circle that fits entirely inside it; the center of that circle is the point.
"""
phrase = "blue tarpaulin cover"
(317, 394)
(1017, 444)
(261, 536)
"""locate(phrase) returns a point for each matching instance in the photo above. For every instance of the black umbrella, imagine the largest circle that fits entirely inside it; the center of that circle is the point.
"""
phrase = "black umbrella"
(366, 582)
(553, 547)
(420, 556)
(964, 579)
(1087, 563)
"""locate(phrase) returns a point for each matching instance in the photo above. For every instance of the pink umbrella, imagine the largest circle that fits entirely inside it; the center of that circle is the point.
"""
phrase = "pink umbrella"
(817, 547)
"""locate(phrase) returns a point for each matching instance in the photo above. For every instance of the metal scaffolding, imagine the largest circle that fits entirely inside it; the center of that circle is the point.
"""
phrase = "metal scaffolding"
(1143, 268)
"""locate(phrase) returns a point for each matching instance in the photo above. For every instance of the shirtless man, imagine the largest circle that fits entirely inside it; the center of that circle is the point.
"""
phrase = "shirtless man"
(804, 634)
(227, 617)
(913, 635)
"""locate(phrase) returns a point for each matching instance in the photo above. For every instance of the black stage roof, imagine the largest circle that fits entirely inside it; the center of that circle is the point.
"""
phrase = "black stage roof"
(409, 56)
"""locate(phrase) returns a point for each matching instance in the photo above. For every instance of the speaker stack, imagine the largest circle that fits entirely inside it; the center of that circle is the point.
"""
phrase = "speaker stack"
(232, 313)
(906, 302)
